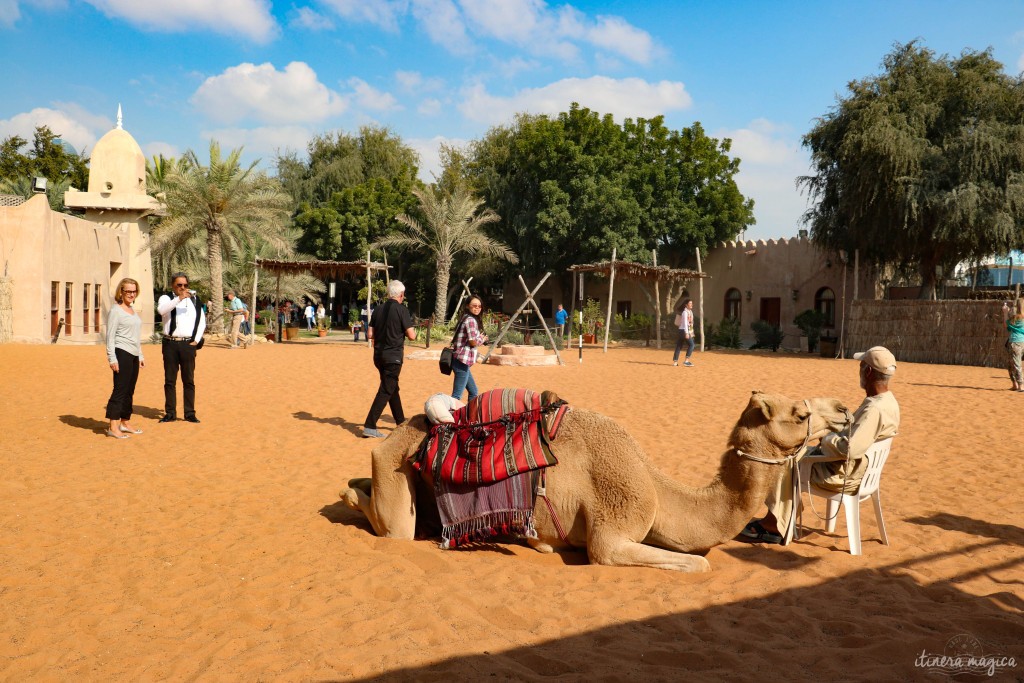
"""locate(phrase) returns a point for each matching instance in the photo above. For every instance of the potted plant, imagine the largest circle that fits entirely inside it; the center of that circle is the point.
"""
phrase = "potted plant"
(810, 323)
(323, 326)
(592, 321)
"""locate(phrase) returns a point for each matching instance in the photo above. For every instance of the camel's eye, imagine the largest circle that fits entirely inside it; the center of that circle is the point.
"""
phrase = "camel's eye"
(803, 417)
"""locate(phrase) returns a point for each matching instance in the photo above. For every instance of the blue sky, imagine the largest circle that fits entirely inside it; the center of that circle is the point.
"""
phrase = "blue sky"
(269, 75)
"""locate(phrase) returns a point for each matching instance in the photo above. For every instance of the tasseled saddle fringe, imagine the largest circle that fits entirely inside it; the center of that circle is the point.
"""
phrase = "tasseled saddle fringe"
(487, 526)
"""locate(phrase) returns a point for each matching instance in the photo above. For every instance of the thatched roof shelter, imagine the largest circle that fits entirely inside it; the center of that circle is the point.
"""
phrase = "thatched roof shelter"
(321, 269)
(640, 271)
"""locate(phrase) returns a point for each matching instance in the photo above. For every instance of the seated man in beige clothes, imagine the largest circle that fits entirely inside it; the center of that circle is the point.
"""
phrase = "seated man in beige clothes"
(877, 418)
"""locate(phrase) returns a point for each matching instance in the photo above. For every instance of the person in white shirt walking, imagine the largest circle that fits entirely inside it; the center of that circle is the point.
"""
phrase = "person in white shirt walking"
(309, 314)
(184, 324)
(684, 321)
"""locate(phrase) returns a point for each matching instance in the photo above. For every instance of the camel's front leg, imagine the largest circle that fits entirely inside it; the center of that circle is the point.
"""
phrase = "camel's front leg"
(623, 553)
(391, 506)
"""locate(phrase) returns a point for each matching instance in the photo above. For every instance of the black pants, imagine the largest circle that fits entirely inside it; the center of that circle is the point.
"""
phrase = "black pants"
(179, 354)
(387, 393)
(120, 404)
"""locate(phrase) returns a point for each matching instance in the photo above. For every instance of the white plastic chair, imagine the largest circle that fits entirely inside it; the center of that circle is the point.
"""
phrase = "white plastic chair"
(876, 456)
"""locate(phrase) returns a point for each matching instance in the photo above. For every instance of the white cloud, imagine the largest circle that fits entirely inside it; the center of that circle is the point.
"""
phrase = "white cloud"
(430, 154)
(368, 97)
(771, 159)
(617, 35)
(155, 149)
(1020, 64)
(81, 135)
(414, 82)
(528, 24)
(443, 24)
(429, 107)
(534, 26)
(309, 19)
(263, 93)
(248, 18)
(264, 141)
(627, 97)
(382, 13)
(9, 13)
(516, 66)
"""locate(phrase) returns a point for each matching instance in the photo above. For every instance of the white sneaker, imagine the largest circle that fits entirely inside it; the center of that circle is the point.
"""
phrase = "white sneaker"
(675, 363)
(688, 364)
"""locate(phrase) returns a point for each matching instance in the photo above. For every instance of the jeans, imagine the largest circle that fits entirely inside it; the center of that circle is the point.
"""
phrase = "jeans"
(463, 380)
(680, 340)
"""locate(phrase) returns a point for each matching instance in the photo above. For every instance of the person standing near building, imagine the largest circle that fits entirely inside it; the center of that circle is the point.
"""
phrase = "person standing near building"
(390, 325)
(237, 310)
(1015, 344)
(310, 313)
(321, 313)
(561, 316)
(684, 321)
(183, 324)
(124, 353)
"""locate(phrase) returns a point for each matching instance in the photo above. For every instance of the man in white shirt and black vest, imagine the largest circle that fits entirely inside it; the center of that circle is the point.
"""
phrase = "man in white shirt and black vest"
(184, 324)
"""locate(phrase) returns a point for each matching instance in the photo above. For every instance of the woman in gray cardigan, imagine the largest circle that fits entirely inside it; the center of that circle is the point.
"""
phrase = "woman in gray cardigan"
(124, 353)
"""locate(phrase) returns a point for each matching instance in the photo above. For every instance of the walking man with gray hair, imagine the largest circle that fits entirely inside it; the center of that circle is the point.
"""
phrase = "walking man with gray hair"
(390, 325)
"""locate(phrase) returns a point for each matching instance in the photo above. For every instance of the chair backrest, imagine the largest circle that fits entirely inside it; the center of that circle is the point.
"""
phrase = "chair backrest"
(876, 457)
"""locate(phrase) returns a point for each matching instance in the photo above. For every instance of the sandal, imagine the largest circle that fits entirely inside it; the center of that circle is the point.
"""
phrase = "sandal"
(116, 436)
(756, 532)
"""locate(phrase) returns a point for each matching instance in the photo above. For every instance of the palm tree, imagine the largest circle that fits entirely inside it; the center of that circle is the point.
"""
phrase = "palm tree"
(452, 226)
(221, 202)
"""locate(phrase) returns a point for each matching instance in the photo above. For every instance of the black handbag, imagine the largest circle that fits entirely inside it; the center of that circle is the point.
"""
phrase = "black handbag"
(448, 352)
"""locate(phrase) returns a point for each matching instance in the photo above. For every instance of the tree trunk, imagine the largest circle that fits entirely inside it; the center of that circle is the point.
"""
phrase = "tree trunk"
(215, 316)
(444, 266)
(927, 271)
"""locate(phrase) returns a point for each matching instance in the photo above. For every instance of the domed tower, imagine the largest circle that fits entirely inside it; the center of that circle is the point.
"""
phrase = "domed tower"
(117, 199)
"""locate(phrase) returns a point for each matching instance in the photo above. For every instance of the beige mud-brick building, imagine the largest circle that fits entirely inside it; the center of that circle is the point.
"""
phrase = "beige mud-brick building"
(62, 267)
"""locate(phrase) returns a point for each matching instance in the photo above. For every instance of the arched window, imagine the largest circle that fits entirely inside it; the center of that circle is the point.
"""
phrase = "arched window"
(825, 303)
(733, 301)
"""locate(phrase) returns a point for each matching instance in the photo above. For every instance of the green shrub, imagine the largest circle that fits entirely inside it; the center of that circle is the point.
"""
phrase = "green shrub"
(636, 326)
(766, 336)
(727, 336)
(810, 323)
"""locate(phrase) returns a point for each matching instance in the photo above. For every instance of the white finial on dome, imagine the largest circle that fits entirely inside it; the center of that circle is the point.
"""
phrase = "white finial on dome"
(119, 116)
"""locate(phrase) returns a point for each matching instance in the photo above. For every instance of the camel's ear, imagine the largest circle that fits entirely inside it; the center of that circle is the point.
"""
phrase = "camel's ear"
(767, 408)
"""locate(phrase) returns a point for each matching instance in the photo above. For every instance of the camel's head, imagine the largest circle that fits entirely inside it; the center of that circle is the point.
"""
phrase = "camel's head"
(775, 426)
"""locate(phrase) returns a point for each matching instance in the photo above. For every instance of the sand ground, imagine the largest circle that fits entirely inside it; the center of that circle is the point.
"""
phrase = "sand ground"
(220, 551)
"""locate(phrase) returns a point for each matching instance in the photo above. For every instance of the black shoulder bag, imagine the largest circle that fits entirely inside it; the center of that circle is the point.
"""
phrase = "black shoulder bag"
(448, 352)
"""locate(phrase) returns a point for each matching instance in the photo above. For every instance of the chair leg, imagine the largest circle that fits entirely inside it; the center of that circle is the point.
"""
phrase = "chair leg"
(831, 514)
(876, 498)
(852, 506)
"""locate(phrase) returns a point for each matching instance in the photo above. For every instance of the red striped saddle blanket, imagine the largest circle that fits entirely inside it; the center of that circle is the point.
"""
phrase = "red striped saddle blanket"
(482, 463)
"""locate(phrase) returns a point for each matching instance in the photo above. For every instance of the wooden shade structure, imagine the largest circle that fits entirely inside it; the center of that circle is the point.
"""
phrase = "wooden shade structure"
(321, 269)
(641, 272)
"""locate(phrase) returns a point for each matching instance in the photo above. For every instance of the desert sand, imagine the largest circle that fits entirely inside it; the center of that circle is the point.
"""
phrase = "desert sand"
(221, 551)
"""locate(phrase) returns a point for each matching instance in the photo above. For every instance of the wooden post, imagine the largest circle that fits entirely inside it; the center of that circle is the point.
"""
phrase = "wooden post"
(572, 312)
(700, 309)
(387, 271)
(458, 306)
(842, 321)
(611, 293)
(369, 292)
(504, 330)
(279, 332)
(253, 308)
(544, 323)
(657, 303)
(856, 271)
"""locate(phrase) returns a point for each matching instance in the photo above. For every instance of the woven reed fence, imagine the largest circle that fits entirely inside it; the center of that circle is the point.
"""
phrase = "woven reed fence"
(951, 332)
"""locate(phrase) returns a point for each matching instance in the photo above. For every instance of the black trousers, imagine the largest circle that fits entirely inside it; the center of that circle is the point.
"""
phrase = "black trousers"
(179, 355)
(387, 393)
(120, 404)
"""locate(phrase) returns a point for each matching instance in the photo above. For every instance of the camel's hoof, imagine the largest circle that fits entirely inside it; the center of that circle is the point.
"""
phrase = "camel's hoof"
(351, 498)
(539, 545)
(701, 565)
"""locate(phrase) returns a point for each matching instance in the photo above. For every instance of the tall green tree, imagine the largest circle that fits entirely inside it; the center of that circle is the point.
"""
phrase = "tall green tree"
(220, 202)
(922, 164)
(571, 188)
(451, 226)
(48, 158)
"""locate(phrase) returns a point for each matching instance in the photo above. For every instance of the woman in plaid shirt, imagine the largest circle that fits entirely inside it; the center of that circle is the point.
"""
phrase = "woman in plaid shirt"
(469, 335)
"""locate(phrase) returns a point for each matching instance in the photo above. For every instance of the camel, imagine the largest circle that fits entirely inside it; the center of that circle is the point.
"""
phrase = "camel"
(609, 497)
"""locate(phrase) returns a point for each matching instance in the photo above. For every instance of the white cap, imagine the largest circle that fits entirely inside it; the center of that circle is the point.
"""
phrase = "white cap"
(879, 359)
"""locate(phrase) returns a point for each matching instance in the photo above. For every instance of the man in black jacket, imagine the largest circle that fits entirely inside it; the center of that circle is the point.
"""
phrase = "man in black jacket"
(390, 325)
